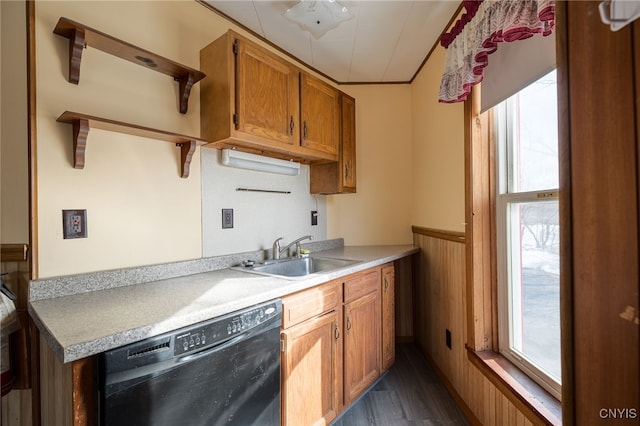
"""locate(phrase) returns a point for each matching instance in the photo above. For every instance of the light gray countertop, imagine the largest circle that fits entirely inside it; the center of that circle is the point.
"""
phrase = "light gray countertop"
(85, 324)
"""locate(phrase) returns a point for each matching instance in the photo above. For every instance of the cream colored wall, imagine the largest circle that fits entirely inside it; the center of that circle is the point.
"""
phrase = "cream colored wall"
(14, 177)
(438, 152)
(139, 210)
(380, 211)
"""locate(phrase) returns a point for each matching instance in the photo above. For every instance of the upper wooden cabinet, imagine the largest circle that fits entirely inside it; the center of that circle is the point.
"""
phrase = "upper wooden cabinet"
(252, 99)
(339, 177)
(320, 112)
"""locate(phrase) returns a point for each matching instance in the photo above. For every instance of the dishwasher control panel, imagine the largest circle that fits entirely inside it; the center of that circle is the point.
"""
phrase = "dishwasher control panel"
(224, 328)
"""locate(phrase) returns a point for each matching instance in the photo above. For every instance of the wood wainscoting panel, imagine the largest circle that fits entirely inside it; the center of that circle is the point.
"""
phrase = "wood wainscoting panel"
(16, 408)
(441, 305)
(404, 295)
(56, 388)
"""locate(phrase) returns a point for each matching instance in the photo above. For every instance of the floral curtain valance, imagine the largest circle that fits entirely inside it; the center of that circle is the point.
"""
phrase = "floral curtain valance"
(477, 34)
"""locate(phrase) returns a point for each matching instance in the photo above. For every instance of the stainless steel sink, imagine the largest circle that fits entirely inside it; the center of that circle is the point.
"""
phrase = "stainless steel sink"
(300, 267)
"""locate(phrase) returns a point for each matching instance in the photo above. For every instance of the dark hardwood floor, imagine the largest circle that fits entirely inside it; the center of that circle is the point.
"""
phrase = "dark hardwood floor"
(409, 394)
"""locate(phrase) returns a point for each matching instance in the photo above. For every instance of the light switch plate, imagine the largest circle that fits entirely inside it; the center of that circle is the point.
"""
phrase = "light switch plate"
(227, 218)
(74, 224)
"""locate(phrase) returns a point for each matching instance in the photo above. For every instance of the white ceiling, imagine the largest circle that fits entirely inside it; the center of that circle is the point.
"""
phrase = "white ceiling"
(386, 41)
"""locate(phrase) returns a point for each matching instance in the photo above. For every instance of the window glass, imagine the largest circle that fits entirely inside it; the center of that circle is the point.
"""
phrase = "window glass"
(535, 281)
(534, 159)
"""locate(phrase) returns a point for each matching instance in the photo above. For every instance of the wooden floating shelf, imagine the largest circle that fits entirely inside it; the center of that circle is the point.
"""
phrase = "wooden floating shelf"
(82, 123)
(81, 36)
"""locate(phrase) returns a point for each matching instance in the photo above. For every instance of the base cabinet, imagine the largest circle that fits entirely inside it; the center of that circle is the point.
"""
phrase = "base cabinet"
(362, 338)
(310, 371)
(336, 341)
(311, 359)
(361, 344)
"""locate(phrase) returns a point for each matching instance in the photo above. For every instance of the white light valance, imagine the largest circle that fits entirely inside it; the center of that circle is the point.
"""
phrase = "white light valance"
(485, 28)
(248, 161)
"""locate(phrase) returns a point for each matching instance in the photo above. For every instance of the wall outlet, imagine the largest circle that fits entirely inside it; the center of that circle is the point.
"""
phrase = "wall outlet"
(74, 224)
(314, 217)
(227, 218)
(448, 338)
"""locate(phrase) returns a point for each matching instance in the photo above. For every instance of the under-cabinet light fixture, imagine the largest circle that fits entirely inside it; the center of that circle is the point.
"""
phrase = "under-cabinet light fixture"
(244, 160)
(319, 16)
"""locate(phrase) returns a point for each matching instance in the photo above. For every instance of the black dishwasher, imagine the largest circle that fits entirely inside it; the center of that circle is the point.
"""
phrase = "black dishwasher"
(225, 371)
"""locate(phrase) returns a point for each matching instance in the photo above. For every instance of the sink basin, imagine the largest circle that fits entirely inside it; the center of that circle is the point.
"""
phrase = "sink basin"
(301, 267)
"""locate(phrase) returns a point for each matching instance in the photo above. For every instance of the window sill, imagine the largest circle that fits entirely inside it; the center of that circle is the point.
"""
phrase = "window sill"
(518, 387)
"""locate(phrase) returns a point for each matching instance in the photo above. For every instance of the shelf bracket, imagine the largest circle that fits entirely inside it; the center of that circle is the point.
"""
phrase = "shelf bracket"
(80, 133)
(76, 46)
(187, 149)
(186, 82)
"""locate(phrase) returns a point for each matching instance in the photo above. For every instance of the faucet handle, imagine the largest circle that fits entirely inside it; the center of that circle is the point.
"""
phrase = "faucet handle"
(275, 249)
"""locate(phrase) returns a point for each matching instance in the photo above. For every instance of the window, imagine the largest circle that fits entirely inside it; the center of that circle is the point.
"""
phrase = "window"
(528, 234)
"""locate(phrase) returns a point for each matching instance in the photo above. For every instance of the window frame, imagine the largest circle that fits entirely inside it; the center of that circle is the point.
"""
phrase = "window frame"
(504, 123)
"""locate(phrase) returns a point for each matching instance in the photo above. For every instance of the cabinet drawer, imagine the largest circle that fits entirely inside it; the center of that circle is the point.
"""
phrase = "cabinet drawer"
(307, 304)
(358, 285)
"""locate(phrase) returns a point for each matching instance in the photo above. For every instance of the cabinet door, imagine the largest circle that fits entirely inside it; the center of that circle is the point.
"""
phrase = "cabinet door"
(361, 344)
(320, 113)
(339, 177)
(311, 372)
(267, 97)
(388, 317)
(348, 144)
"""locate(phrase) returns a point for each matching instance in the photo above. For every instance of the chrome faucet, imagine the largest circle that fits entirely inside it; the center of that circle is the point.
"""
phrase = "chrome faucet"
(277, 251)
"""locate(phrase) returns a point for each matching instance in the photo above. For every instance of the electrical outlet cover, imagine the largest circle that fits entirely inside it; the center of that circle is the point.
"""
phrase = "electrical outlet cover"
(74, 224)
(227, 218)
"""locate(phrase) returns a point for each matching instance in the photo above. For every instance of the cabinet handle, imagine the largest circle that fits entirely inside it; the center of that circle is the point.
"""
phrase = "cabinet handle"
(304, 129)
(346, 171)
(386, 284)
(336, 331)
(348, 322)
(292, 125)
